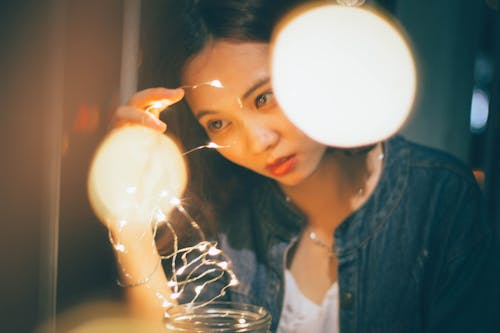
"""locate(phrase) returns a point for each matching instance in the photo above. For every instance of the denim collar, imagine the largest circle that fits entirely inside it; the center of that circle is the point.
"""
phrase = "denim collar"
(285, 221)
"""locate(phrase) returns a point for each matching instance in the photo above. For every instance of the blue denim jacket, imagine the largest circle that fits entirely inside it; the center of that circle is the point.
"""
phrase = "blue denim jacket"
(414, 258)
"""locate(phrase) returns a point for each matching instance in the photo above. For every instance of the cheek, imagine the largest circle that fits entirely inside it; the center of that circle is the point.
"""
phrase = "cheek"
(287, 127)
(295, 134)
(233, 155)
(238, 157)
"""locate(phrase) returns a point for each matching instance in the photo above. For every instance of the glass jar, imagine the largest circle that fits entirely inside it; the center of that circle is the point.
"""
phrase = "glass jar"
(218, 317)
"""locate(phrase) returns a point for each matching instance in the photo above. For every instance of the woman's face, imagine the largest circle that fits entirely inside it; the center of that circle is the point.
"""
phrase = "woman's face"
(244, 116)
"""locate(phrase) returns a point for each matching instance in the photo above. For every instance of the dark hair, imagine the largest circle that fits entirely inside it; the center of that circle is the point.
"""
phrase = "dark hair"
(215, 184)
(197, 22)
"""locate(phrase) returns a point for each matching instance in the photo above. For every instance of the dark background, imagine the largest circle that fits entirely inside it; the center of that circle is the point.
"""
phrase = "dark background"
(72, 66)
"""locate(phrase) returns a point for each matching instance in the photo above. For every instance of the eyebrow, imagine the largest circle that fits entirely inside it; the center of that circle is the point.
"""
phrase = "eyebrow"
(263, 81)
(255, 86)
(203, 113)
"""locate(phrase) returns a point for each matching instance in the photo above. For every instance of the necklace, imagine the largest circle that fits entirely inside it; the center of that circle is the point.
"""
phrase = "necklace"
(312, 236)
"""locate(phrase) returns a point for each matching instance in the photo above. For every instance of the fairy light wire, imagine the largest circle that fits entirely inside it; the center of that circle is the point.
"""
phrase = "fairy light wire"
(196, 266)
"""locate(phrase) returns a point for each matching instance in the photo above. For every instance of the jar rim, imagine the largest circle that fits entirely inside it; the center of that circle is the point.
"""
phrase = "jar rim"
(235, 317)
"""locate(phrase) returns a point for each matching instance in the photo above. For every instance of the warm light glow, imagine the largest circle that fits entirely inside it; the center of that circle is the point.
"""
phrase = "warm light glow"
(131, 174)
(343, 75)
(216, 84)
(181, 270)
(213, 83)
(158, 106)
(222, 265)
(120, 247)
(214, 251)
(198, 289)
(136, 178)
(175, 295)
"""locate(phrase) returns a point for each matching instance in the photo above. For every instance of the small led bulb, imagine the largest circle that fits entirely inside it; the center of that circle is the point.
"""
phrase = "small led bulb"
(223, 265)
(198, 289)
(175, 295)
(157, 106)
(216, 84)
(180, 271)
(213, 251)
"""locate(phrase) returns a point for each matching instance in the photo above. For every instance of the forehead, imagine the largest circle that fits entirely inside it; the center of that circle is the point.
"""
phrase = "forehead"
(233, 63)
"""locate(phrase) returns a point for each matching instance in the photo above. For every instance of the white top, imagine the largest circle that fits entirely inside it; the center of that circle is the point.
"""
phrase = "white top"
(301, 315)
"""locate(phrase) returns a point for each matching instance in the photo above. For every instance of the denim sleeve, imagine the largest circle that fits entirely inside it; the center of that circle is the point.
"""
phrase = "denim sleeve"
(465, 292)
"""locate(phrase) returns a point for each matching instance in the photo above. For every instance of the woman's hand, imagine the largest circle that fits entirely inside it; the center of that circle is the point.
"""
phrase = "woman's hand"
(144, 108)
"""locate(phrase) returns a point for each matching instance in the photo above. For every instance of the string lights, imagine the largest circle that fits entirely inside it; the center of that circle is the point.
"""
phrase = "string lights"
(136, 179)
(197, 266)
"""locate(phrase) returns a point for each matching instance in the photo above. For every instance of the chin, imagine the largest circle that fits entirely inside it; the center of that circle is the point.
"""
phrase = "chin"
(298, 176)
(290, 180)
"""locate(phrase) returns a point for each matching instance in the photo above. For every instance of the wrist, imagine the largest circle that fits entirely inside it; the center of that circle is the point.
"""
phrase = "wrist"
(137, 258)
(131, 239)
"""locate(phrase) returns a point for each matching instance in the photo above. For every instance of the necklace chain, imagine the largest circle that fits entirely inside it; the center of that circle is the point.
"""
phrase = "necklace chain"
(312, 236)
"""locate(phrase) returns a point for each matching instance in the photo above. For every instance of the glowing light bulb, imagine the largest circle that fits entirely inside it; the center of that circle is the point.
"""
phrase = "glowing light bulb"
(216, 84)
(174, 201)
(223, 265)
(160, 216)
(213, 251)
(131, 172)
(135, 179)
(120, 247)
(198, 289)
(158, 106)
(344, 75)
(214, 145)
(180, 270)
(175, 295)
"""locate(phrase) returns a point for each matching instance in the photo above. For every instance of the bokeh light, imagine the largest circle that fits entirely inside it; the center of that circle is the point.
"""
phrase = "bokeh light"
(344, 75)
(479, 111)
(134, 175)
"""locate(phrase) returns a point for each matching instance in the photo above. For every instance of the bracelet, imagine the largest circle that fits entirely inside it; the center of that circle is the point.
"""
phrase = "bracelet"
(140, 282)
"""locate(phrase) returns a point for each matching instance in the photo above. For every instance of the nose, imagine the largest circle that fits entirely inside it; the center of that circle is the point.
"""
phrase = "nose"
(261, 136)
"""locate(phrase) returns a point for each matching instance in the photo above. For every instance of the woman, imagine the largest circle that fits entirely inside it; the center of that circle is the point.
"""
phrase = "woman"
(386, 238)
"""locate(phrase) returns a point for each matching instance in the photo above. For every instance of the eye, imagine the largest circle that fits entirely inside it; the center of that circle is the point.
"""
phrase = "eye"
(216, 125)
(264, 99)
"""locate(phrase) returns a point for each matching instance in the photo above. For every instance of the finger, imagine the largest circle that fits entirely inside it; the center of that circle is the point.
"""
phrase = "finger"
(132, 115)
(145, 98)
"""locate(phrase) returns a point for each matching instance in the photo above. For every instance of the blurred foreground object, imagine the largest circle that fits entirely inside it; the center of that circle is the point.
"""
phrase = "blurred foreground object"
(100, 317)
(344, 75)
(135, 174)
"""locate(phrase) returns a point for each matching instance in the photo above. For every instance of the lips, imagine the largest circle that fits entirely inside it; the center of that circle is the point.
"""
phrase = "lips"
(282, 166)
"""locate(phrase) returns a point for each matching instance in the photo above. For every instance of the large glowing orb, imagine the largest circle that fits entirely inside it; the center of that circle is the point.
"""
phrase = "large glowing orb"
(135, 175)
(344, 75)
